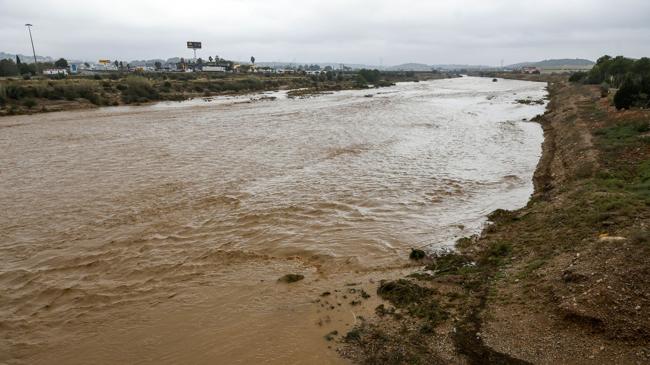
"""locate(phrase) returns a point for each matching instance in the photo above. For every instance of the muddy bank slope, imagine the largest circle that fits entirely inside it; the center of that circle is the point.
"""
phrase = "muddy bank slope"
(565, 279)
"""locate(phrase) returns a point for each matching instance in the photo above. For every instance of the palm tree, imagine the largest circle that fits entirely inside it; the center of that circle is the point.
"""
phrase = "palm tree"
(252, 60)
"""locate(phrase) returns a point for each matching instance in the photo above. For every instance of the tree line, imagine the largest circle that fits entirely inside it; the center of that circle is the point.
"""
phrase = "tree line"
(630, 76)
(9, 67)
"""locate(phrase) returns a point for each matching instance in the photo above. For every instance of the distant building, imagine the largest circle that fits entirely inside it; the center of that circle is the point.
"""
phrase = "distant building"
(282, 71)
(103, 67)
(55, 71)
(214, 68)
(263, 70)
(531, 70)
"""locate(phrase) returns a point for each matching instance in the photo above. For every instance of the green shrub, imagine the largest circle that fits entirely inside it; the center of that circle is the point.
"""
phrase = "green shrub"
(371, 76)
(3, 94)
(15, 91)
(621, 135)
(578, 76)
(500, 249)
(418, 301)
(29, 103)
(138, 89)
(401, 293)
(604, 90)
(449, 263)
(56, 92)
(626, 95)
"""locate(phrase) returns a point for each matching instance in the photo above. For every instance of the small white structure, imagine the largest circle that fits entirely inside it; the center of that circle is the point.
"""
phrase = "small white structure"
(214, 69)
(55, 71)
(282, 71)
(531, 70)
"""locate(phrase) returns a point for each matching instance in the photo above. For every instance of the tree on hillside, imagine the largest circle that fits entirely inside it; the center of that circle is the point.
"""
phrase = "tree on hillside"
(157, 65)
(61, 63)
(210, 59)
(17, 60)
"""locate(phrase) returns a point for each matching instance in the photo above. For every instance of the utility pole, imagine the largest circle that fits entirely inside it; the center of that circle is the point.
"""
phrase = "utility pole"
(29, 27)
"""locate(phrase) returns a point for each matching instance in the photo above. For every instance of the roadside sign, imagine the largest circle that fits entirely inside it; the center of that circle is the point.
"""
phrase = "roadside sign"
(104, 62)
(194, 45)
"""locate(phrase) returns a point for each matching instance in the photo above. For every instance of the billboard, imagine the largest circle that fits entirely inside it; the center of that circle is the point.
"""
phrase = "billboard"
(104, 62)
(194, 45)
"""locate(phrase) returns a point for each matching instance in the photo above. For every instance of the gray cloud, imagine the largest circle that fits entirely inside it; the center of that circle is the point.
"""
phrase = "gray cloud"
(339, 31)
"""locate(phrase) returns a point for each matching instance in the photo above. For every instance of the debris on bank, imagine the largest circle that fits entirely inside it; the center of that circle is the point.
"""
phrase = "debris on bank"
(291, 278)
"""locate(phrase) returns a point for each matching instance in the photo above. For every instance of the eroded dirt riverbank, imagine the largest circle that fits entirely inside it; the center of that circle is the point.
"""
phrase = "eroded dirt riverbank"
(564, 280)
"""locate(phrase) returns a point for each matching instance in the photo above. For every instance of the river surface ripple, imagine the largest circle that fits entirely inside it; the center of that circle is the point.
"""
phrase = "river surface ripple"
(124, 207)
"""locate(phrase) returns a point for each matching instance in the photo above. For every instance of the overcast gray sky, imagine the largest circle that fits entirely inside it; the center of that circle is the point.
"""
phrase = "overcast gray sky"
(432, 32)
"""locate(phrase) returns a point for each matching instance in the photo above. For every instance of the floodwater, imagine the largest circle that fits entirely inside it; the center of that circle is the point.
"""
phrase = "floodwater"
(156, 234)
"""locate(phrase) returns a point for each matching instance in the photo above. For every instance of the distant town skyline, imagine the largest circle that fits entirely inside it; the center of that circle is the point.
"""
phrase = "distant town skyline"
(356, 32)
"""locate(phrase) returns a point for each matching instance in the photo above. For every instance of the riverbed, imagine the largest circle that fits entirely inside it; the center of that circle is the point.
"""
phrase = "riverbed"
(156, 234)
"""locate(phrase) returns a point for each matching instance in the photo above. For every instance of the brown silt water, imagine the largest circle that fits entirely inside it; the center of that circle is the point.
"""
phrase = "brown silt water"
(156, 234)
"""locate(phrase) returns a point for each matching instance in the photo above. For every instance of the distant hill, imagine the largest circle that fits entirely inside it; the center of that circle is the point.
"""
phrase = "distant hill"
(25, 58)
(424, 67)
(336, 66)
(410, 67)
(554, 63)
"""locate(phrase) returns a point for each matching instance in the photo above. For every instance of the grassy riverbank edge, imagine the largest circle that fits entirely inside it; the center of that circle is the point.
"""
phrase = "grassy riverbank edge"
(18, 96)
(562, 280)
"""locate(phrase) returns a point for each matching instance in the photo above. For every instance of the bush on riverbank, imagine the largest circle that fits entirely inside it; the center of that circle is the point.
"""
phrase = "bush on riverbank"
(632, 77)
(138, 89)
(3, 95)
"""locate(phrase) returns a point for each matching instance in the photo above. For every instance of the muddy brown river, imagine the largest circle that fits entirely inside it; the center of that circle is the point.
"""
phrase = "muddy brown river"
(156, 234)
